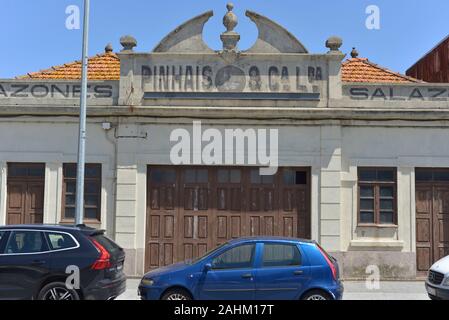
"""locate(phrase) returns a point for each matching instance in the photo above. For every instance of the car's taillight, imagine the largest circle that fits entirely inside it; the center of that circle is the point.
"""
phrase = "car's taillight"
(103, 262)
(329, 262)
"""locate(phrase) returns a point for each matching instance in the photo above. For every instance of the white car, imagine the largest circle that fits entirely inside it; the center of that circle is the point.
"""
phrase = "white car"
(437, 283)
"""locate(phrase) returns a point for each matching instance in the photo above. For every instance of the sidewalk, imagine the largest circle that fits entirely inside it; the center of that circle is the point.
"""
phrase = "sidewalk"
(354, 290)
(389, 290)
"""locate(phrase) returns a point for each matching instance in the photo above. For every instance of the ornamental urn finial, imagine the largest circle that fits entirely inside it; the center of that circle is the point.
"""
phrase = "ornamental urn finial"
(128, 43)
(230, 38)
(334, 43)
(230, 20)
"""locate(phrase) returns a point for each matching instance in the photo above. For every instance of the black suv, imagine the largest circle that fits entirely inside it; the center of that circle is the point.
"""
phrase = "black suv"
(46, 262)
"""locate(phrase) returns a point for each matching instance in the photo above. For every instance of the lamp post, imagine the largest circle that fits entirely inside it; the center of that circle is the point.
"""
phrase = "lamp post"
(79, 207)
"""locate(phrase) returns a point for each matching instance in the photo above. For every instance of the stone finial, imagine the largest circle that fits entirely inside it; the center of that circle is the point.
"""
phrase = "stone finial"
(334, 44)
(230, 20)
(230, 38)
(354, 53)
(108, 48)
(128, 43)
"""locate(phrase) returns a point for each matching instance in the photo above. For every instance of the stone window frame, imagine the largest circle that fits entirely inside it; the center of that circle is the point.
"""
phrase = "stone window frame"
(377, 184)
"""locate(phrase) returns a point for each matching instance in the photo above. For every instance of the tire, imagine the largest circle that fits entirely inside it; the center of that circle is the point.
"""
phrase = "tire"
(316, 295)
(57, 291)
(176, 294)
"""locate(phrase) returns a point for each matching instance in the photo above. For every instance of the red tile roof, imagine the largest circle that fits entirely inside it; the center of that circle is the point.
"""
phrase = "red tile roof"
(106, 66)
(362, 70)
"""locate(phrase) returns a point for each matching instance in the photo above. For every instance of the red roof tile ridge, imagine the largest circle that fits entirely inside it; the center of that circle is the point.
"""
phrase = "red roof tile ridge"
(393, 72)
(381, 68)
(45, 73)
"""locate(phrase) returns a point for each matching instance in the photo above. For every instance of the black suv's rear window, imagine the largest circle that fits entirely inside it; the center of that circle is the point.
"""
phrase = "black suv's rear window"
(60, 241)
(107, 243)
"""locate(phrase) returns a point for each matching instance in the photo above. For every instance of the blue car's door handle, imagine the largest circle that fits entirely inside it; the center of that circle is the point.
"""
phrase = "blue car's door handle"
(298, 272)
(247, 276)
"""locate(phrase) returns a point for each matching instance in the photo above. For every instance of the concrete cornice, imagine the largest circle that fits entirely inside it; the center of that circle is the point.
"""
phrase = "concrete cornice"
(252, 113)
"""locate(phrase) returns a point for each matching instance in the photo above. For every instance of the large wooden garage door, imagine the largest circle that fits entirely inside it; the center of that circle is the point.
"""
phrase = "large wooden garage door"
(432, 217)
(25, 200)
(192, 210)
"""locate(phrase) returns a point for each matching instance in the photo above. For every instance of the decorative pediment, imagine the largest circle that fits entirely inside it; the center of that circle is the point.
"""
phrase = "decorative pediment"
(183, 67)
(188, 37)
(272, 38)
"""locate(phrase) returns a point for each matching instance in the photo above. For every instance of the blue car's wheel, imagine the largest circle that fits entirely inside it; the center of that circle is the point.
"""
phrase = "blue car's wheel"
(176, 294)
(316, 295)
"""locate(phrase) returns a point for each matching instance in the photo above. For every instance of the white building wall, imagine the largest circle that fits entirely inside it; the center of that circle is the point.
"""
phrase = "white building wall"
(54, 142)
(330, 186)
(332, 152)
(392, 249)
(298, 146)
(403, 148)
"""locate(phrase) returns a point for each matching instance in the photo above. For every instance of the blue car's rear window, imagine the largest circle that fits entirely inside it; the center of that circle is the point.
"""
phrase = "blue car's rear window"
(280, 255)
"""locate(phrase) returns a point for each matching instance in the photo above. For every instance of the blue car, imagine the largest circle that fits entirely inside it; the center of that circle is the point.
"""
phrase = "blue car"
(262, 268)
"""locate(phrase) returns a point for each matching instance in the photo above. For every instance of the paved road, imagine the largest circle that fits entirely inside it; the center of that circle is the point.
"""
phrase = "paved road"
(354, 290)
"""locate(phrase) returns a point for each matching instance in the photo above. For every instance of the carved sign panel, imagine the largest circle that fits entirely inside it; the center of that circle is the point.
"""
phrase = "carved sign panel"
(245, 77)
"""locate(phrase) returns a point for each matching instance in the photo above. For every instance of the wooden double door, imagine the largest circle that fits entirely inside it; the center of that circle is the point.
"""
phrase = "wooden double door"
(191, 210)
(25, 199)
(432, 217)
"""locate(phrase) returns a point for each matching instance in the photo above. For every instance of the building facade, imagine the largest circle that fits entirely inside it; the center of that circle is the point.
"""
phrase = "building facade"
(361, 153)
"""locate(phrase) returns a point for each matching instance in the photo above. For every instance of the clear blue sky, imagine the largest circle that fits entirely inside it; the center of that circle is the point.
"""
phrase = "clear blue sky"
(34, 35)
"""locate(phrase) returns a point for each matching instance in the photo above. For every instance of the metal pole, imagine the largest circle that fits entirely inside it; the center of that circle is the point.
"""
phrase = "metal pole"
(79, 208)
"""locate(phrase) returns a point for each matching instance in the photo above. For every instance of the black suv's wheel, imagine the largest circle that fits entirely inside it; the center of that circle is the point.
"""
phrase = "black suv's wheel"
(316, 295)
(176, 294)
(57, 291)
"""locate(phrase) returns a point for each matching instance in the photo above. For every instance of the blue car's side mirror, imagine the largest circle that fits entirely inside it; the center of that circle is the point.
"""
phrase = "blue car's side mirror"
(207, 267)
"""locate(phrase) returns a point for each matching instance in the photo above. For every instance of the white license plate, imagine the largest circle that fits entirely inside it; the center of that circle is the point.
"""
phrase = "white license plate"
(431, 291)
